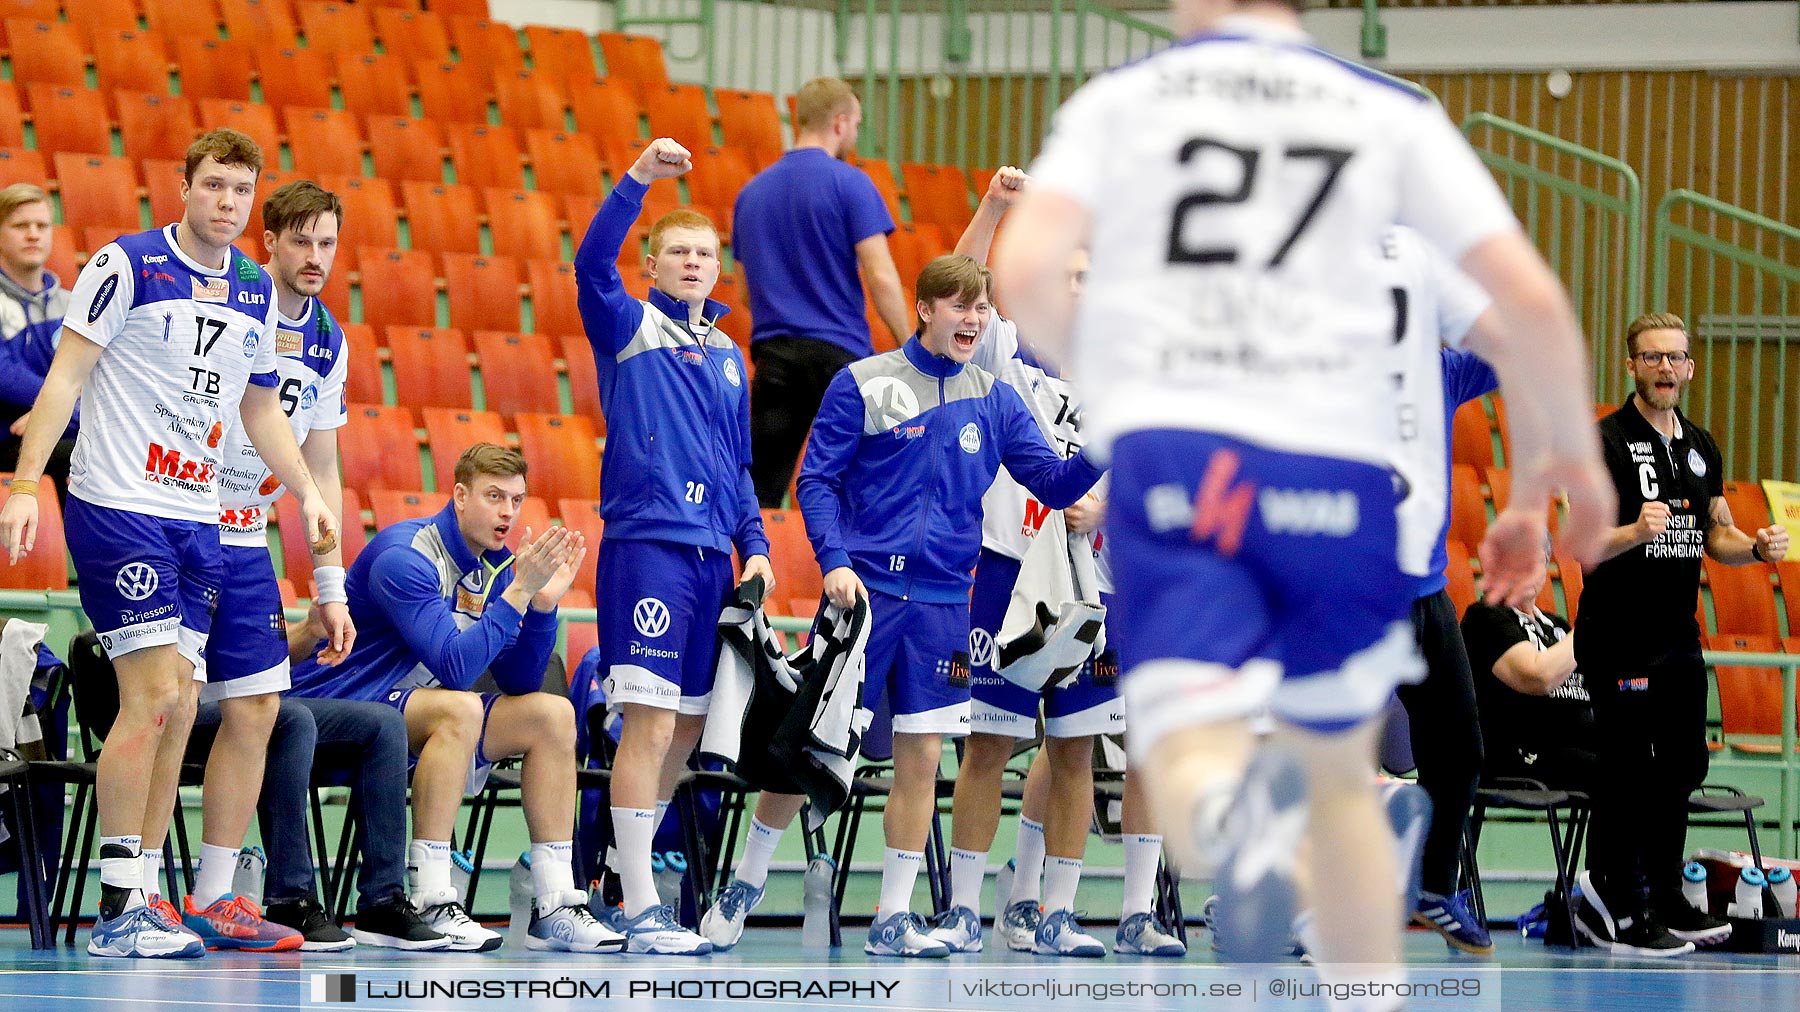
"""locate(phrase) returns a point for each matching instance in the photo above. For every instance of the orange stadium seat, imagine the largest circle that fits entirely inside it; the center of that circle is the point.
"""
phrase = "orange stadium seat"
(1743, 601)
(485, 155)
(413, 35)
(337, 28)
(296, 552)
(46, 52)
(30, 10)
(370, 215)
(564, 162)
(46, 566)
(362, 379)
(431, 367)
(405, 148)
(1470, 439)
(718, 175)
(553, 308)
(530, 100)
(584, 380)
(461, 8)
(379, 448)
(1789, 574)
(266, 22)
(252, 118)
(215, 68)
(1749, 697)
(97, 189)
(155, 126)
(637, 59)
(451, 432)
(523, 224)
(162, 181)
(1461, 578)
(12, 116)
(131, 61)
(1570, 574)
(95, 236)
(748, 121)
(399, 287)
(92, 20)
(20, 165)
(939, 194)
(518, 372)
(1749, 506)
(183, 19)
(392, 507)
(292, 76)
(791, 555)
(559, 53)
(372, 84)
(737, 323)
(882, 175)
(452, 92)
(443, 218)
(580, 638)
(584, 515)
(1468, 510)
(68, 120)
(62, 260)
(679, 111)
(606, 107)
(324, 141)
(485, 47)
(484, 291)
(578, 210)
(560, 449)
(268, 182)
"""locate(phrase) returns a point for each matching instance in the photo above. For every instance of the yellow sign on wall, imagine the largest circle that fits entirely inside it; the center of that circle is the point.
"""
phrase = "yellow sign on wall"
(1784, 502)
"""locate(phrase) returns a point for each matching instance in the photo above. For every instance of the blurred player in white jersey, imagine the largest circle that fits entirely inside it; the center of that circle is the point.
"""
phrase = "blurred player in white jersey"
(1232, 344)
(169, 342)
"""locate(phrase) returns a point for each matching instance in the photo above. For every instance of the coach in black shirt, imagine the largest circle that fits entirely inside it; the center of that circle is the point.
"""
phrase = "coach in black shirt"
(1639, 647)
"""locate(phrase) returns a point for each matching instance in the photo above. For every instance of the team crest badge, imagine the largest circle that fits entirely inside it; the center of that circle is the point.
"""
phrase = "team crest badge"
(731, 373)
(1696, 463)
(970, 438)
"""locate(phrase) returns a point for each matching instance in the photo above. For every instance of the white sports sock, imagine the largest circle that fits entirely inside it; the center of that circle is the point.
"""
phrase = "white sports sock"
(217, 865)
(428, 864)
(632, 831)
(759, 848)
(152, 870)
(1142, 851)
(552, 873)
(1028, 862)
(1061, 876)
(899, 870)
(968, 869)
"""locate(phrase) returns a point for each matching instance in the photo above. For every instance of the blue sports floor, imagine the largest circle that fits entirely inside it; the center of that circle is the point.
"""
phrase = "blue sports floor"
(771, 970)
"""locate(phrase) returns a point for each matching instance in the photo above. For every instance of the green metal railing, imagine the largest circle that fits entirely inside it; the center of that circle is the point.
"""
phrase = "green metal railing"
(1585, 210)
(1732, 275)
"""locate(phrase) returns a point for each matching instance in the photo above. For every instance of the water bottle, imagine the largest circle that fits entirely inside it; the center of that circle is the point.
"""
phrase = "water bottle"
(1781, 882)
(462, 866)
(1693, 885)
(247, 879)
(1749, 895)
(816, 892)
(520, 893)
(670, 867)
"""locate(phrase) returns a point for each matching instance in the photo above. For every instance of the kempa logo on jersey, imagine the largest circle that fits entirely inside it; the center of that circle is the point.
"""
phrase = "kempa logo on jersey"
(154, 258)
(892, 401)
(168, 468)
(651, 617)
(214, 290)
(136, 581)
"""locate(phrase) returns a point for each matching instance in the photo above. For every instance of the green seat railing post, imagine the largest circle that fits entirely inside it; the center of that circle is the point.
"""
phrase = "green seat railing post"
(1616, 238)
(1767, 251)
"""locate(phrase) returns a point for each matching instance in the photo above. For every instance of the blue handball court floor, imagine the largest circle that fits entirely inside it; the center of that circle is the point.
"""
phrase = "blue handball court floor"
(771, 969)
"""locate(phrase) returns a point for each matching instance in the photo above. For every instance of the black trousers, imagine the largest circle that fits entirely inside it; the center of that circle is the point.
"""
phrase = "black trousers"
(791, 376)
(1651, 743)
(1446, 736)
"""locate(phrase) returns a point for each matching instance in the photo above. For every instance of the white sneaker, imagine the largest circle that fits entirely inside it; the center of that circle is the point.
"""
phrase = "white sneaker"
(959, 928)
(144, 932)
(656, 931)
(571, 927)
(1018, 925)
(453, 922)
(723, 924)
(1062, 935)
(1142, 934)
(903, 934)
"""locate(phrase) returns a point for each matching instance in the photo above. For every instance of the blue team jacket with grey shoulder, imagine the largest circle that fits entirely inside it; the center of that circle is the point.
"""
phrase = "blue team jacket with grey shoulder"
(903, 448)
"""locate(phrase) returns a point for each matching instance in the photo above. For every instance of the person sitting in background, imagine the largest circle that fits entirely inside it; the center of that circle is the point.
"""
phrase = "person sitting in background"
(31, 316)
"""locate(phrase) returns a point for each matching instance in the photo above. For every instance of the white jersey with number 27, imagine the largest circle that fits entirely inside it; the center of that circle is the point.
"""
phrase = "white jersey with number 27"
(1239, 185)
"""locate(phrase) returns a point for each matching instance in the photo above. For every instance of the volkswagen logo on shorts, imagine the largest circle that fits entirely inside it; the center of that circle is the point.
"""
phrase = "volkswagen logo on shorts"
(651, 617)
(981, 648)
(136, 581)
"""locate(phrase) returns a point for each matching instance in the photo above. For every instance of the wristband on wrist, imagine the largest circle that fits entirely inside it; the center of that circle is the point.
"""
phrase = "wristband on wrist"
(1756, 552)
(24, 486)
(330, 585)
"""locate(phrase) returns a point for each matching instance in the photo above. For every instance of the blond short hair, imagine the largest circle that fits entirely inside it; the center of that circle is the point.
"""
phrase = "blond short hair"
(491, 459)
(1651, 321)
(18, 195)
(679, 218)
(819, 100)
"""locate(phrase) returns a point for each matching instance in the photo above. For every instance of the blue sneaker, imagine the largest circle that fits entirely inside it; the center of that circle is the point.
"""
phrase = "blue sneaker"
(1142, 934)
(959, 928)
(1452, 917)
(1019, 923)
(1263, 830)
(657, 931)
(1060, 934)
(1409, 812)
(723, 924)
(903, 934)
(144, 932)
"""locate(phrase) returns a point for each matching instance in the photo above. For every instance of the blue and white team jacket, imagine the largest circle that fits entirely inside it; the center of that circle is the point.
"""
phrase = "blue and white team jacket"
(677, 405)
(428, 612)
(903, 448)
